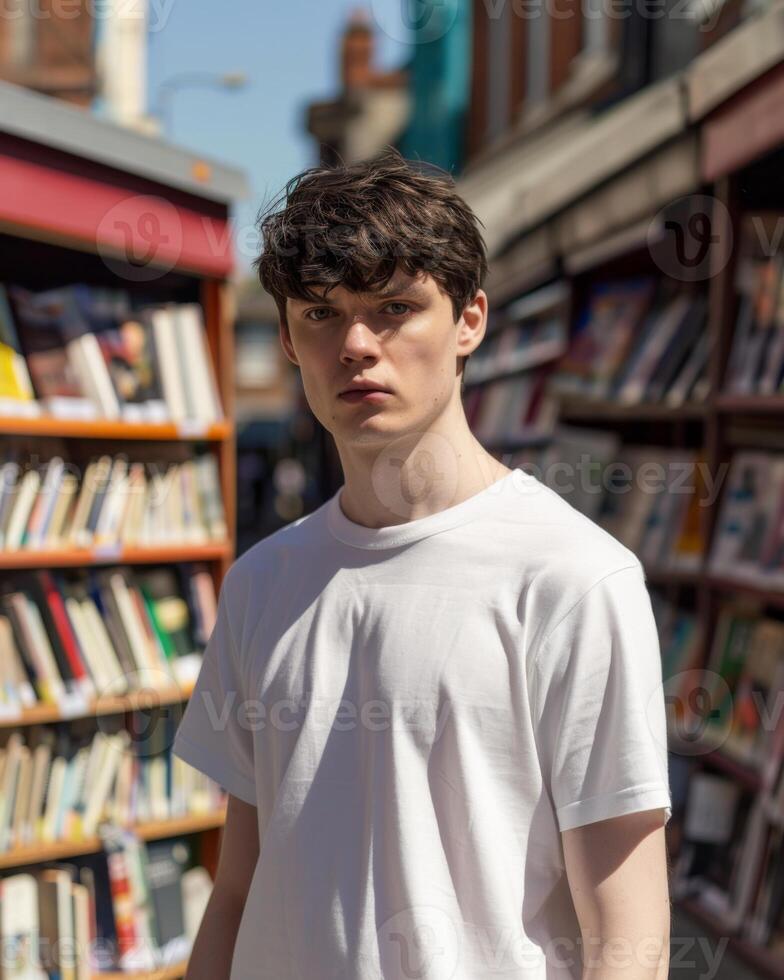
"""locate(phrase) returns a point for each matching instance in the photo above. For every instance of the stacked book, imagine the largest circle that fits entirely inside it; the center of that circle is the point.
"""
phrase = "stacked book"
(136, 906)
(732, 860)
(67, 639)
(112, 503)
(681, 641)
(744, 682)
(756, 363)
(524, 335)
(651, 498)
(89, 353)
(732, 857)
(512, 410)
(60, 784)
(638, 341)
(748, 543)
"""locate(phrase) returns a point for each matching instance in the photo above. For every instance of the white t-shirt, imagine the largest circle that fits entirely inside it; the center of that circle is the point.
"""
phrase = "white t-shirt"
(417, 711)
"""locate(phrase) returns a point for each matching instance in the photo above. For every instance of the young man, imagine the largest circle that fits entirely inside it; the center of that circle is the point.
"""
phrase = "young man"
(436, 701)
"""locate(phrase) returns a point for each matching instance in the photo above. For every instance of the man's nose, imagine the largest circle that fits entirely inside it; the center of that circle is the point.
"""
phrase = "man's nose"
(360, 339)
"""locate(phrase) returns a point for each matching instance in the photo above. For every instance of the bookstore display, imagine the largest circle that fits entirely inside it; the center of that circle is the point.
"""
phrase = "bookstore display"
(507, 401)
(82, 352)
(110, 559)
(117, 483)
(663, 425)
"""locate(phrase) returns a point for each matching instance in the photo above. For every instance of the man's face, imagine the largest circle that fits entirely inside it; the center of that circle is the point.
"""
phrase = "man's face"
(402, 339)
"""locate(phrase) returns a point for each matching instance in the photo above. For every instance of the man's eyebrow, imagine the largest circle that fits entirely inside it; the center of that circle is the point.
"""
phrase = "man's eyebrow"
(394, 288)
(412, 288)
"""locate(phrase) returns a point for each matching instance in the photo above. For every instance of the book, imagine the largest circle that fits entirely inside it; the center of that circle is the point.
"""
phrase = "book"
(46, 322)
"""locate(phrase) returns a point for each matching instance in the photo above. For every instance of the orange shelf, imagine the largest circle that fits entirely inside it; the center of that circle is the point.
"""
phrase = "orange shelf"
(43, 713)
(173, 972)
(156, 830)
(47, 425)
(751, 404)
(79, 557)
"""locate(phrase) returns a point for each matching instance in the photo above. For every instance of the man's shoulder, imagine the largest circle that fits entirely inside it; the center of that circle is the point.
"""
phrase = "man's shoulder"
(566, 551)
(273, 553)
(571, 538)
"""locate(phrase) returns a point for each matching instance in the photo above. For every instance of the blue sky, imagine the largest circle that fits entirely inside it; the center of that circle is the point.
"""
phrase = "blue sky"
(288, 50)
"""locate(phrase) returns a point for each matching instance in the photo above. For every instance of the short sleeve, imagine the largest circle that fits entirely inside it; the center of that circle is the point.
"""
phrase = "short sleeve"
(598, 705)
(211, 736)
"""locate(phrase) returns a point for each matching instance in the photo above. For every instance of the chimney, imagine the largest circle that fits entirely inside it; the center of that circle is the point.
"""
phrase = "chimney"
(357, 52)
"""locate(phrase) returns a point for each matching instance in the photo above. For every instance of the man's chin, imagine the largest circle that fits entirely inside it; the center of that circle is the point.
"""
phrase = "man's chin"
(379, 428)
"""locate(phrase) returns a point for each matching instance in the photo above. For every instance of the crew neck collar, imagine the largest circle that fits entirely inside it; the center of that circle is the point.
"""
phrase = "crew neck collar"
(396, 535)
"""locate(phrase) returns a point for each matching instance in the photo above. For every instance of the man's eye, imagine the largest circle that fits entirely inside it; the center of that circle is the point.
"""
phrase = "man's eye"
(320, 309)
(405, 309)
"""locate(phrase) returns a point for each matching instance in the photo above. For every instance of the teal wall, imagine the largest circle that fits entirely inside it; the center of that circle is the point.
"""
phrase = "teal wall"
(440, 72)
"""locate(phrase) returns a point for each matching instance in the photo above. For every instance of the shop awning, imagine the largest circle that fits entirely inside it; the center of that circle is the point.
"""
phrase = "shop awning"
(529, 184)
(746, 53)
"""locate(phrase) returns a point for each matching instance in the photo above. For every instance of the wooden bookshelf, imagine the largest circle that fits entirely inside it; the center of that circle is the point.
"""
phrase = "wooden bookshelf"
(189, 431)
(718, 427)
(584, 408)
(155, 830)
(172, 972)
(110, 555)
(750, 404)
(766, 594)
(69, 217)
(119, 704)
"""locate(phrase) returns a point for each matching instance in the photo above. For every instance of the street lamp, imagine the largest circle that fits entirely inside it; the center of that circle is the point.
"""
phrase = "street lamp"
(230, 81)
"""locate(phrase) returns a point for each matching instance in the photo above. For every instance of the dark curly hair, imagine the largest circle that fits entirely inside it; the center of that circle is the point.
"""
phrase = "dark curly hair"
(351, 225)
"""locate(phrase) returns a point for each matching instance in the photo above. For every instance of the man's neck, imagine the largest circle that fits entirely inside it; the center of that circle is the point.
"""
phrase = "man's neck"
(414, 477)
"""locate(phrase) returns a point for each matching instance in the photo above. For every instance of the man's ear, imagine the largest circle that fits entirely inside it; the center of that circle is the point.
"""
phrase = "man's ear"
(472, 324)
(285, 341)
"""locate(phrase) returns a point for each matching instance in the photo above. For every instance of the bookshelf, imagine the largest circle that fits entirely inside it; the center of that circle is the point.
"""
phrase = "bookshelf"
(149, 830)
(173, 972)
(724, 422)
(87, 205)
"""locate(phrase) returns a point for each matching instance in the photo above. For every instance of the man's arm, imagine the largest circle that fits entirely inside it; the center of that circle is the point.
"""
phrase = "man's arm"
(213, 947)
(618, 876)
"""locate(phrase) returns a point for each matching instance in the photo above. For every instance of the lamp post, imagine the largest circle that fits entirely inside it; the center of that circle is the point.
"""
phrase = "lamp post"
(229, 81)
